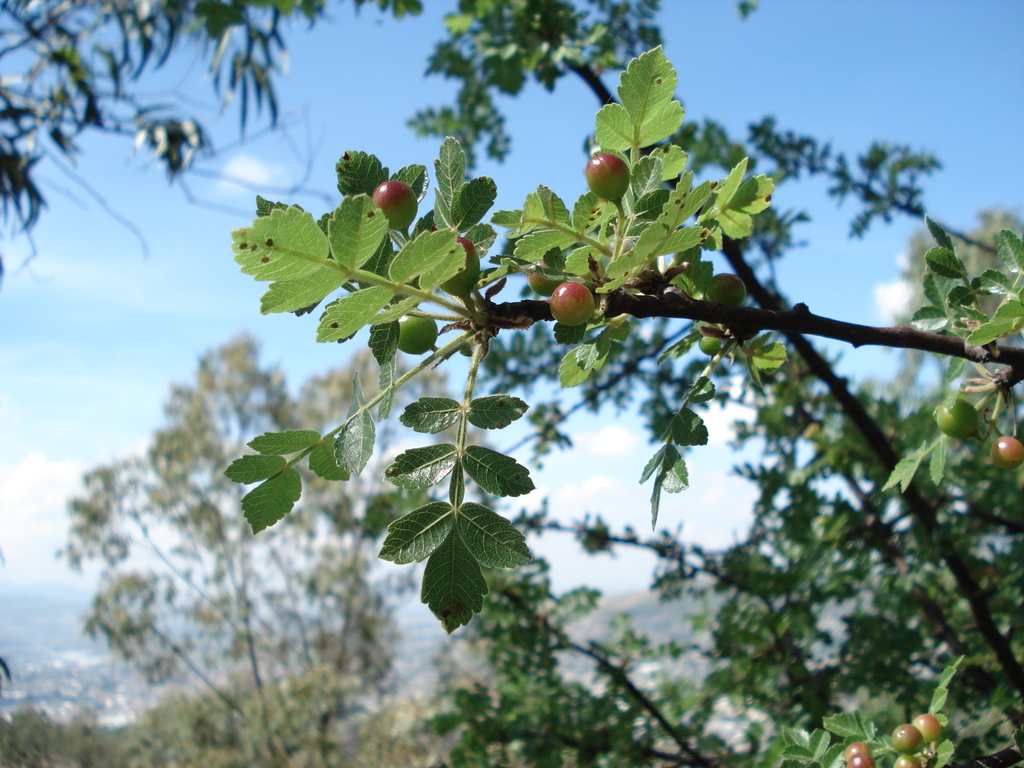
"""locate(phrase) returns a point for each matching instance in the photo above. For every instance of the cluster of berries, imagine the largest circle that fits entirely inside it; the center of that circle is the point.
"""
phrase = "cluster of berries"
(913, 741)
(960, 419)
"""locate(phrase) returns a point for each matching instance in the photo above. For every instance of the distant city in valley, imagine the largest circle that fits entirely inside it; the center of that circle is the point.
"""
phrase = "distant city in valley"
(57, 670)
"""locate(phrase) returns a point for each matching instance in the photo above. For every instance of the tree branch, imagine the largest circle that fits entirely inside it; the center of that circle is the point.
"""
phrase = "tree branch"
(799, 320)
(920, 507)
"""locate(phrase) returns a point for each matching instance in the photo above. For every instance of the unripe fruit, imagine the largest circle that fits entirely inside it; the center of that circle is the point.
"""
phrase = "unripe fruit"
(463, 282)
(1007, 452)
(398, 202)
(929, 726)
(416, 335)
(726, 289)
(710, 345)
(541, 285)
(856, 748)
(907, 739)
(607, 176)
(860, 760)
(907, 761)
(959, 420)
(572, 304)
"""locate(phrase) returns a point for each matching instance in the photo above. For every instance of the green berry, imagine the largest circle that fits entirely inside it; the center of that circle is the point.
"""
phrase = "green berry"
(929, 726)
(710, 345)
(607, 176)
(572, 304)
(543, 286)
(907, 739)
(398, 202)
(416, 335)
(1007, 452)
(959, 419)
(726, 289)
(465, 281)
(907, 761)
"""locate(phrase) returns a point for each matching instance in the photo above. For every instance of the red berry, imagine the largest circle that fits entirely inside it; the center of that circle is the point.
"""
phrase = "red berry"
(607, 176)
(463, 282)
(541, 285)
(907, 761)
(416, 335)
(929, 726)
(858, 755)
(1007, 452)
(959, 419)
(572, 304)
(860, 760)
(726, 289)
(398, 202)
(907, 739)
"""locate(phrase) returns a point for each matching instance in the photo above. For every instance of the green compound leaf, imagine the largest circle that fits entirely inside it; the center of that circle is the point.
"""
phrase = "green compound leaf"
(930, 319)
(285, 245)
(252, 469)
(293, 295)
(359, 173)
(354, 231)
(647, 113)
(855, 727)
(472, 202)
(282, 443)
(492, 539)
(767, 356)
(669, 472)
(495, 411)
(384, 346)
(702, 390)
(1008, 319)
(687, 428)
(413, 537)
(346, 315)
(268, 502)
(420, 468)
(1010, 250)
(940, 235)
(945, 263)
(942, 689)
(993, 281)
(533, 246)
(673, 160)
(453, 584)
(495, 472)
(434, 255)
(645, 176)
(450, 173)
(264, 206)
(905, 469)
(353, 446)
(415, 176)
(431, 414)
(323, 464)
(589, 212)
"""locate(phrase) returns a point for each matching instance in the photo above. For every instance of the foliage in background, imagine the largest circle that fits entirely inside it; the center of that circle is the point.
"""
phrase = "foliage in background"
(188, 594)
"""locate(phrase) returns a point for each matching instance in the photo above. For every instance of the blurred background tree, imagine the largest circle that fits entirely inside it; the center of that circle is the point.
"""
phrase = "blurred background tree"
(283, 636)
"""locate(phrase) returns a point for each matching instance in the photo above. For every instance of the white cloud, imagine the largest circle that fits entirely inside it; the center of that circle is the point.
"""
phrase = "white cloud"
(719, 419)
(612, 440)
(33, 517)
(248, 170)
(893, 299)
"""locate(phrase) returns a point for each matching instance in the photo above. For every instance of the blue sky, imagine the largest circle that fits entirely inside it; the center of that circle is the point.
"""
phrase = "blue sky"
(93, 332)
